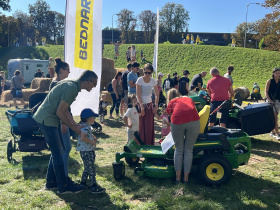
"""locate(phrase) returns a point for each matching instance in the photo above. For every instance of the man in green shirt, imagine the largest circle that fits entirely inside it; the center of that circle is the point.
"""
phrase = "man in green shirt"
(53, 109)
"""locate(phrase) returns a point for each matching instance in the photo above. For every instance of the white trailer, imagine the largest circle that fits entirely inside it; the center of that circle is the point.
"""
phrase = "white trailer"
(28, 67)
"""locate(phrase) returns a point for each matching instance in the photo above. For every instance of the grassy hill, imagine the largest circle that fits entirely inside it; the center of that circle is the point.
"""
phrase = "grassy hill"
(251, 65)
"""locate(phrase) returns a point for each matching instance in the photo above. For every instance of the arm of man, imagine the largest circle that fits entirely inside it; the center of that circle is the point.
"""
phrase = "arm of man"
(199, 85)
(62, 114)
(163, 84)
(231, 91)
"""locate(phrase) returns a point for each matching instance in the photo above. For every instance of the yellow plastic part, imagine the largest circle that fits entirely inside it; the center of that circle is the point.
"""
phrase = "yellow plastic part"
(204, 115)
(215, 172)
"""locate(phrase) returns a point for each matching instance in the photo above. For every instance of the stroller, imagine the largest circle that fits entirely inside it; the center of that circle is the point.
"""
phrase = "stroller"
(24, 129)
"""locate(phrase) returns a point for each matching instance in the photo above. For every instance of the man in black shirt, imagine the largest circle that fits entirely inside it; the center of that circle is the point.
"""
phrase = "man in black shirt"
(167, 84)
(184, 83)
(197, 80)
(175, 80)
(38, 73)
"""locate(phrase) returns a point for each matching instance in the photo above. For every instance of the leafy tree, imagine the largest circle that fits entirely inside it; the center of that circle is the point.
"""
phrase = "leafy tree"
(173, 20)
(269, 27)
(127, 23)
(4, 4)
(39, 13)
(148, 20)
(55, 25)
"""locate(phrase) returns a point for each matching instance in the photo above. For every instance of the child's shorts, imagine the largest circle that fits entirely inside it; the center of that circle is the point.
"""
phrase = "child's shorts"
(130, 134)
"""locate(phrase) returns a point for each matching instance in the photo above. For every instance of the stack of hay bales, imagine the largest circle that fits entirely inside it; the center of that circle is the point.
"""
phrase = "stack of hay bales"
(37, 85)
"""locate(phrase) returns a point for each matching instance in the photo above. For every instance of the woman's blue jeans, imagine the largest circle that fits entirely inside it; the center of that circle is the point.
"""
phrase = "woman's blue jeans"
(55, 172)
(67, 149)
(116, 103)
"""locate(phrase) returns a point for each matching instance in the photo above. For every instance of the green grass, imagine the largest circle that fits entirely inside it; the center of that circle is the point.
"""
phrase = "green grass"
(251, 65)
(254, 186)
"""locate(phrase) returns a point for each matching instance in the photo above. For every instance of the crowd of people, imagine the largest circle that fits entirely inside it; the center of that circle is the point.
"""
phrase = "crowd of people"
(136, 102)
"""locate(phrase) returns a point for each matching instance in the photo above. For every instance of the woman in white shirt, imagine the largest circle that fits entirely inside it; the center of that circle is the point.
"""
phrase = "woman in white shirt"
(144, 86)
(133, 53)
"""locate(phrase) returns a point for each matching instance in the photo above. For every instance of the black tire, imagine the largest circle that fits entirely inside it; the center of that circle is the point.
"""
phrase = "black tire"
(214, 170)
(119, 171)
(132, 161)
(10, 151)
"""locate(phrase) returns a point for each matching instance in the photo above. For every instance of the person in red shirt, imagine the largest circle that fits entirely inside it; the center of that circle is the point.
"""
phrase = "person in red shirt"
(185, 128)
(220, 90)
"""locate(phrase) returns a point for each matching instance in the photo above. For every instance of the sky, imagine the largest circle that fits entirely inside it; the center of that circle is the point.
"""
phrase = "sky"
(221, 16)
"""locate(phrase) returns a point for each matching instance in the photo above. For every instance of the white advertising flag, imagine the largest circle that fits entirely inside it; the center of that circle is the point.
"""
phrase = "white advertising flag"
(155, 60)
(82, 51)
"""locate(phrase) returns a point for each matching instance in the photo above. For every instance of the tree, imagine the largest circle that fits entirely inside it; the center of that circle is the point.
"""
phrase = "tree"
(55, 25)
(127, 24)
(4, 4)
(252, 30)
(39, 13)
(147, 20)
(269, 27)
(173, 20)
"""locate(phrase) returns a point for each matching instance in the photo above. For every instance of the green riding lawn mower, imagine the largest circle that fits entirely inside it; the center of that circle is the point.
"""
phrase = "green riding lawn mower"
(216, 152)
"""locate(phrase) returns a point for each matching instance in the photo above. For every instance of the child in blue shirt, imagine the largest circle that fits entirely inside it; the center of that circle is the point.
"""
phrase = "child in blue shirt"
(86, 145)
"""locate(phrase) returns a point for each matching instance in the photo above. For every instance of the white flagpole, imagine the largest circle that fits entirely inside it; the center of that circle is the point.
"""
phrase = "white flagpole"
(83, 50)
(155, 60)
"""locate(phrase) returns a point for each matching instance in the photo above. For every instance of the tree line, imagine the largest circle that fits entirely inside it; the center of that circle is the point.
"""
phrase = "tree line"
(39, 25)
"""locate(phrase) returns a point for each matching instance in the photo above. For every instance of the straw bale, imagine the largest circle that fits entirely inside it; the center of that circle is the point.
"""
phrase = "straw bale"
(244, 91)
(41, 84)
(108, 73)
(108, 63)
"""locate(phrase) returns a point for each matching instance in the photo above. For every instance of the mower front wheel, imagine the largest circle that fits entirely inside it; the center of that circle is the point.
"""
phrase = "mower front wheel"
(132, 161)
(215, 170)
(119, 170)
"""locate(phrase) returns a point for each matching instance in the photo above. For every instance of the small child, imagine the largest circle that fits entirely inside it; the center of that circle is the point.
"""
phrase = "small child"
(193, 91)
(165, 129)
(102, 110)
(203, 91)
(86, 145)
(131, 117)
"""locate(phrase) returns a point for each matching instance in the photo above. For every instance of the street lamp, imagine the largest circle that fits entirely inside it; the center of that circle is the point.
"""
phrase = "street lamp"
(113, 28)
(246, 22)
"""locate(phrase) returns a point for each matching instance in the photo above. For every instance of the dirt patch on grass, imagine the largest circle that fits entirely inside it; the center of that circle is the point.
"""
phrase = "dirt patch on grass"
(108, 145)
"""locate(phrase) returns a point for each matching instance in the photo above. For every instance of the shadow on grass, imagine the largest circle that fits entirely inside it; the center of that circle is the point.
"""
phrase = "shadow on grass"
(114, 123)
(36, 166)
(265, 148)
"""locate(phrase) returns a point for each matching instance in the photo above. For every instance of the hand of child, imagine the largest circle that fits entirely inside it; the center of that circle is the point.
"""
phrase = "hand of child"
(129, 126)
(165, 121)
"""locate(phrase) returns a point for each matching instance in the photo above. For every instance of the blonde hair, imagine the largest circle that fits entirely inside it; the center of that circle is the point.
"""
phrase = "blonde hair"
(103, 94)
(171, 94)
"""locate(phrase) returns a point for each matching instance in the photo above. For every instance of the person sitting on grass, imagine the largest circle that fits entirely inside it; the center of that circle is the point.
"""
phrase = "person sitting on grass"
(131, 117)
(86, 145)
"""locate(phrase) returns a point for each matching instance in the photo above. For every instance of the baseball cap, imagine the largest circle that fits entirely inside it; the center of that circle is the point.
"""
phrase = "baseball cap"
(160, 74)
(87, 113)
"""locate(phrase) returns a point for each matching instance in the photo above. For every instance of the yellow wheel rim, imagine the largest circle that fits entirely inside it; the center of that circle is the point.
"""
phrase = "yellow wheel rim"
(215, 171)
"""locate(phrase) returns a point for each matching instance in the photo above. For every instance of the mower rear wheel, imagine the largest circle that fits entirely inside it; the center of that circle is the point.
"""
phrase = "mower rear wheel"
(132, 161)
(119, 170)
(10, 151)
(215, 170)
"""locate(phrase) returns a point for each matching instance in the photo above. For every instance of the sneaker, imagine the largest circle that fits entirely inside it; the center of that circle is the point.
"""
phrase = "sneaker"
(111, 117)
(84, 185)
(277, 136)
(70, 188)
(272, 134)
(97, 189)
(51, 186)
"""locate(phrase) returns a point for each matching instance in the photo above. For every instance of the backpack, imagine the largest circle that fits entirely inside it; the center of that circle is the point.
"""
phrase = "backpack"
(167, 84)
(110, 87)
(182, 87)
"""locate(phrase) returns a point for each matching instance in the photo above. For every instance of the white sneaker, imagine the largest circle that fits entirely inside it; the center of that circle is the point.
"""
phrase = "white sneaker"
(277, 136)
(272, 134)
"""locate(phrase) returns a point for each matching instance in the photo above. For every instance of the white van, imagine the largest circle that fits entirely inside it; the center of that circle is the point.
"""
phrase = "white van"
(27, 67)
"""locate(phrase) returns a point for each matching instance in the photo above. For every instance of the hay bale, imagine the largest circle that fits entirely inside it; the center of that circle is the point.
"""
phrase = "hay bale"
(244, 91)
(108, 63)
(6, 96)
(108, 73)
(41, 84)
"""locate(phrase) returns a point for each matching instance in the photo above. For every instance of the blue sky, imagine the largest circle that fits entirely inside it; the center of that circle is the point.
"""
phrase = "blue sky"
(205, 15)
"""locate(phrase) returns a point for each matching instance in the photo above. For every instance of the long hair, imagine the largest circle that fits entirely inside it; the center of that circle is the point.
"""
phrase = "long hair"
(171, 94)
(275, 70)
(60, 64)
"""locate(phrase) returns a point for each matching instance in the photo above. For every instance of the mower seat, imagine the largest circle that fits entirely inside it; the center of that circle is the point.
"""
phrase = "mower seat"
(204, 115)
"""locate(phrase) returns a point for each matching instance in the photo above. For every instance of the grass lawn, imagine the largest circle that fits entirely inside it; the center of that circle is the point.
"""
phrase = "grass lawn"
(254, 186)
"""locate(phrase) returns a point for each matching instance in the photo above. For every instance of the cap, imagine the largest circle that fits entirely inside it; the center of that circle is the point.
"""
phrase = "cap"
(160, 74)
(186, 72)
(87, 113)
(204, 86)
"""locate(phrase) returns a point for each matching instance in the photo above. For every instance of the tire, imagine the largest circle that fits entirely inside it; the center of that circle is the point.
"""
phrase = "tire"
(233, 124)
(132, 161)
(119, 171)
(10, 151)
(215, 170)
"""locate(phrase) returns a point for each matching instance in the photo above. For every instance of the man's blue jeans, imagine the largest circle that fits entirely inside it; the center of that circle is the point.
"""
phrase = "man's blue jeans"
(55, 172)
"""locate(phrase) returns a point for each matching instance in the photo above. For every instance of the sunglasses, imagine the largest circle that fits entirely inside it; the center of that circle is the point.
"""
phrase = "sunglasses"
(147, 72)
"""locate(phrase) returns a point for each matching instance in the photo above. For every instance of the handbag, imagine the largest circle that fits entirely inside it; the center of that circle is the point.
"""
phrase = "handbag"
(16, 91)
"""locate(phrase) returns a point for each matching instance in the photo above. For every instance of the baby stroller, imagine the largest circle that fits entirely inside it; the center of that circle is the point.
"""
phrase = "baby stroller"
(24, 129)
